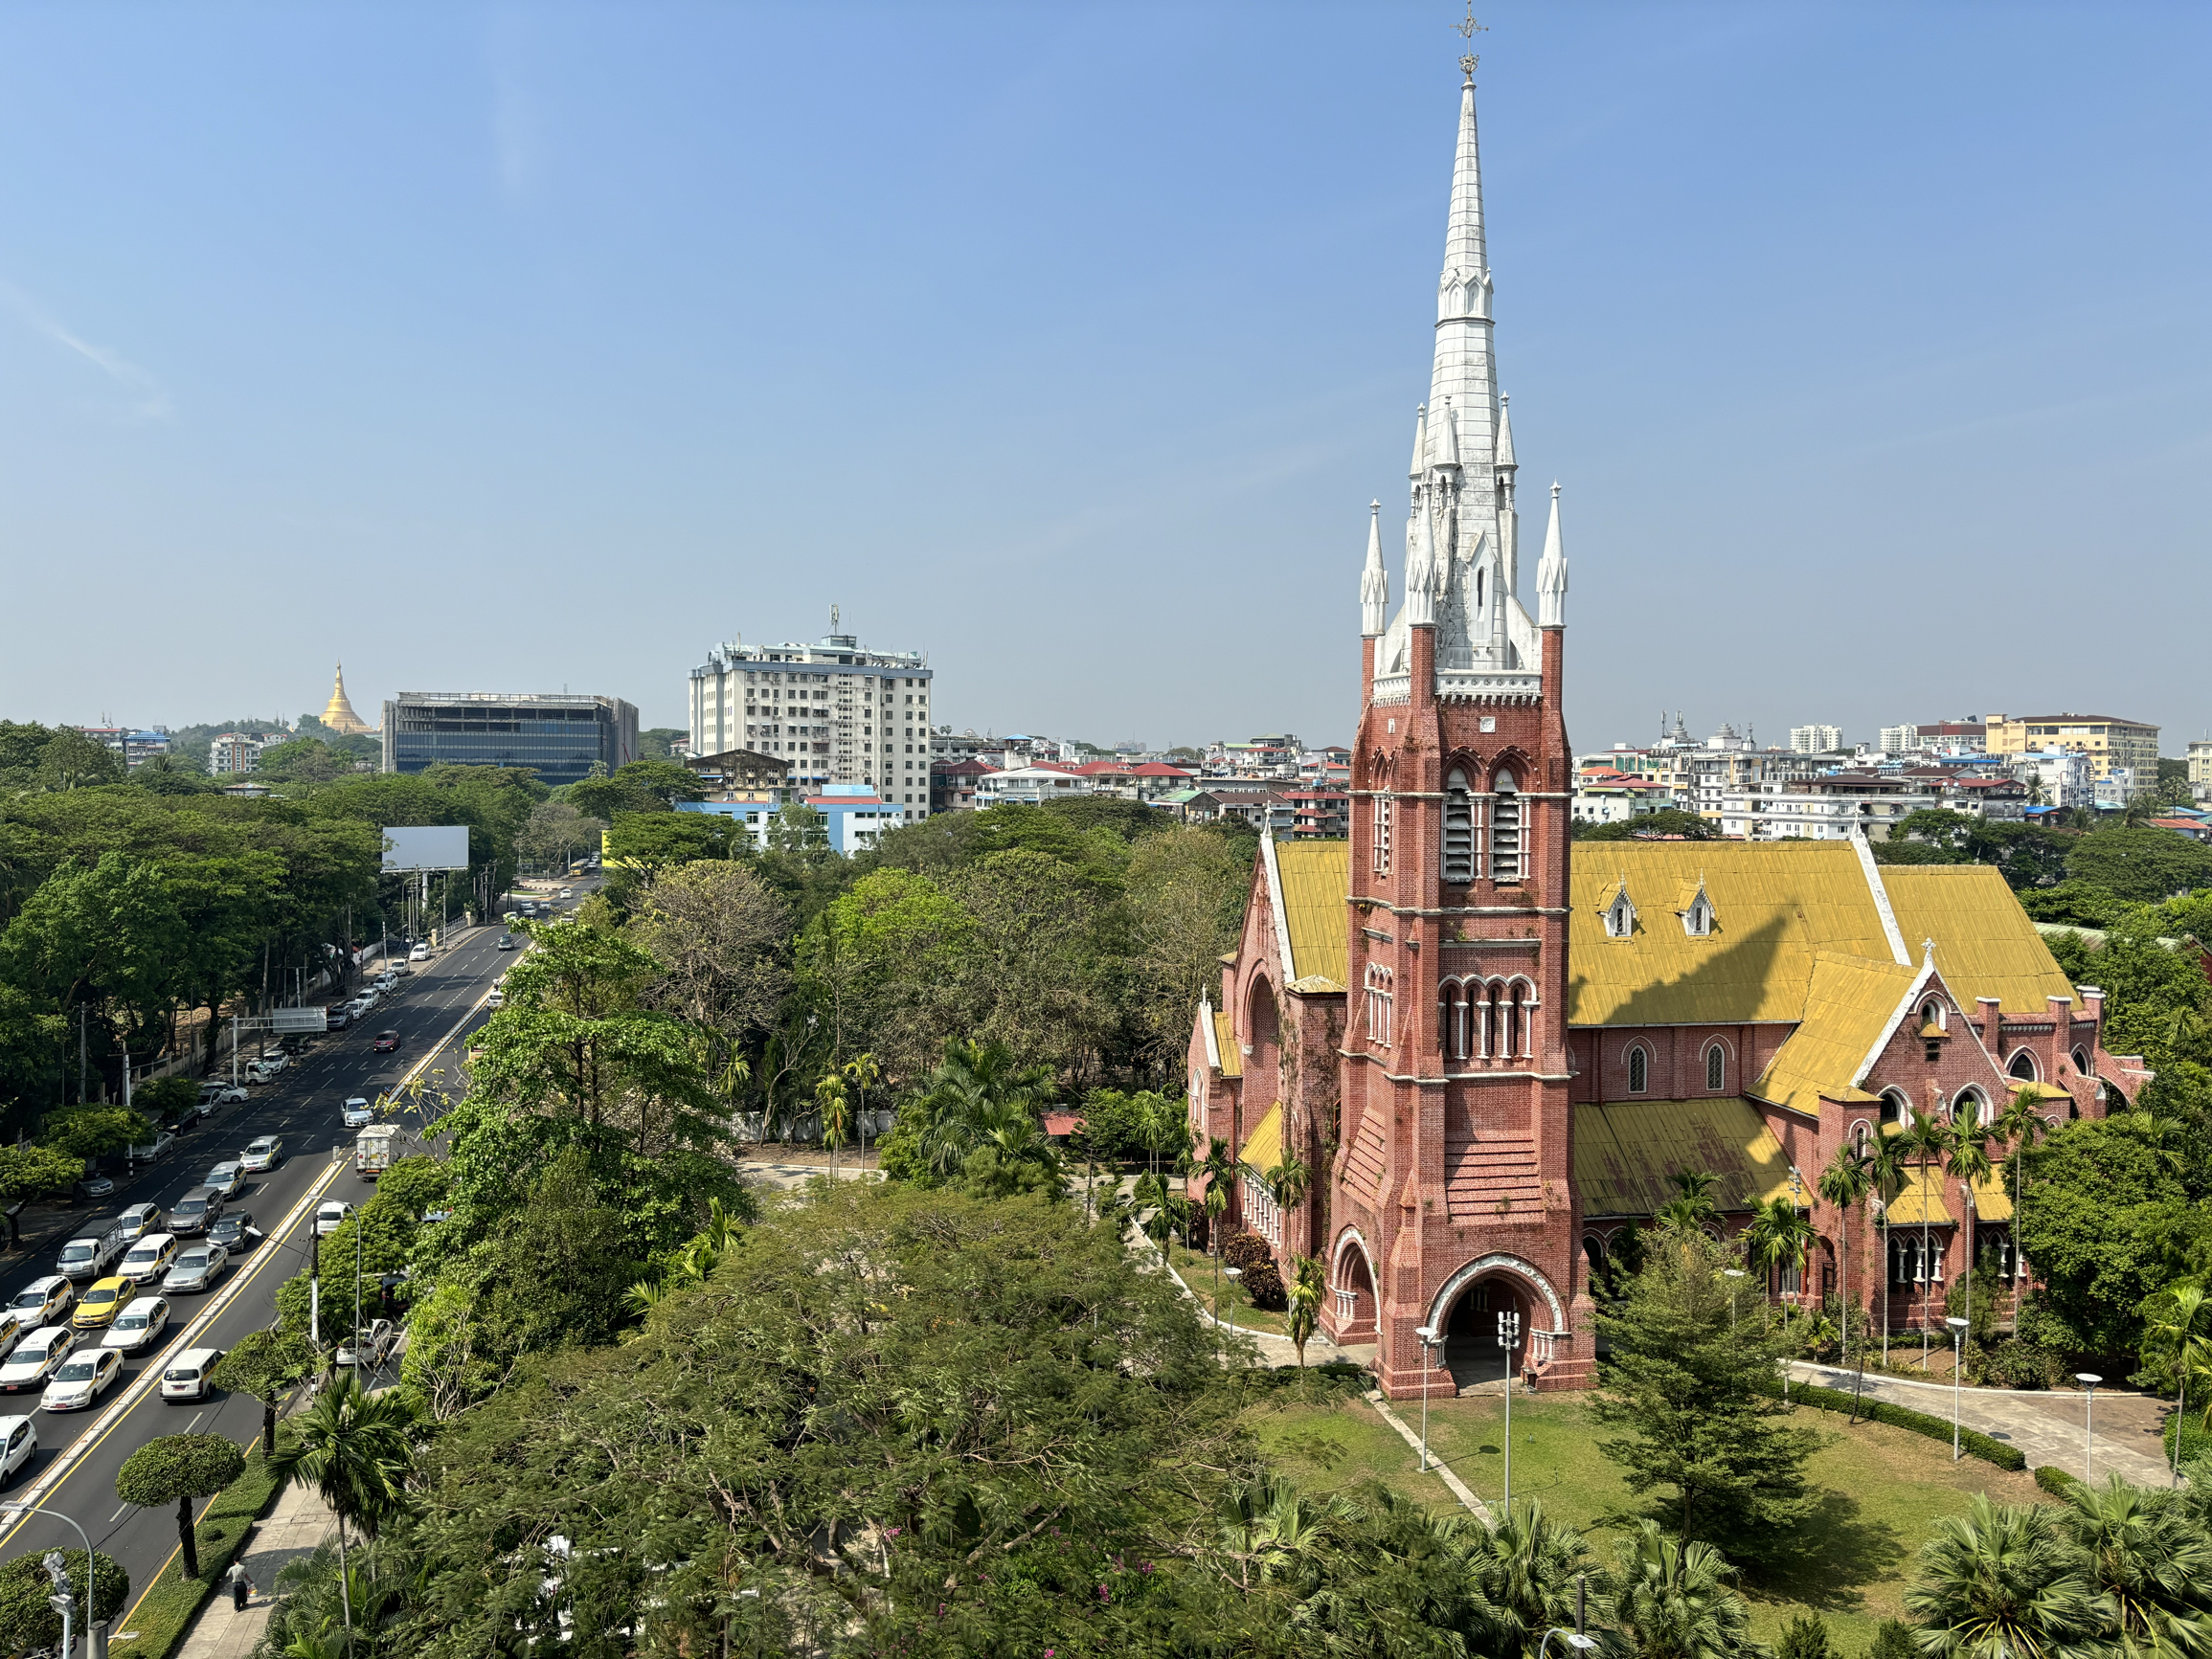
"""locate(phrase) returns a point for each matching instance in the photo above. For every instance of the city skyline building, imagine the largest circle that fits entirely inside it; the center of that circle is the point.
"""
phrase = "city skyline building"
(563, 736)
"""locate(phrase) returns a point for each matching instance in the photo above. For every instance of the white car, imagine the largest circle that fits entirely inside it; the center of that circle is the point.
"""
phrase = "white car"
(186, 1376)
(420, 954)
(19, 1446)
(375, 1345)
(197, 1267)
(357, 1113)
(81, 1380)
(330, 1216)
(495, 1000)
(36, 1358)
(137, 1326)
(43, 1301)
(220, 1094)
(14, 1328)
(262, 1154)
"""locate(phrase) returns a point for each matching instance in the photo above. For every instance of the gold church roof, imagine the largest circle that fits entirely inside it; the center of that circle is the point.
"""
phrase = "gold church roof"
(1315, 875)
(1985, 946)
(1624, 1150)
(1850, 1005)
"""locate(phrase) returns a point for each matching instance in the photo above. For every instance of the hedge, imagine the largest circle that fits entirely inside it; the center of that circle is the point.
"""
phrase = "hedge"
(165, 1612)
(2196, 1439)
(1969, 1440)
(2055, 1480)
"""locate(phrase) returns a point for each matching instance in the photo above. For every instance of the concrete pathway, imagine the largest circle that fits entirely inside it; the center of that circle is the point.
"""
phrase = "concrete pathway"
(2046, 1425)
(1436, 1466)
(293, 1529)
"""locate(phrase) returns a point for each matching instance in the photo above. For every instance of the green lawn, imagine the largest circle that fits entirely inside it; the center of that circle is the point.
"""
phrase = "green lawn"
(1883, 1487)
(1198, 1272)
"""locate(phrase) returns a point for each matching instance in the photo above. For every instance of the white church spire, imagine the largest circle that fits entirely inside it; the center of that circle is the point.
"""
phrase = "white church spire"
(1374, 580)
(1552, 573)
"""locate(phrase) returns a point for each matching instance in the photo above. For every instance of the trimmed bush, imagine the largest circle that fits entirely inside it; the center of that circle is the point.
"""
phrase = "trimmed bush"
(1806, 1637)
(1970, 1442)
(1244, 1250)
(1892, 1640)
(1263, 1284)
(2055, 1480)
(2196, 1439)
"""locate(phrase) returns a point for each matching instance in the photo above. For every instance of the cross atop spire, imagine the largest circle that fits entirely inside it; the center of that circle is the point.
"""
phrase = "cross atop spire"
(1467, 32)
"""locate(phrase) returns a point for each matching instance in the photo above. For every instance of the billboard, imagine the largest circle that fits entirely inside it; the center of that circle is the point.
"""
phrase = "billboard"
(435, 846)
(284, 1021)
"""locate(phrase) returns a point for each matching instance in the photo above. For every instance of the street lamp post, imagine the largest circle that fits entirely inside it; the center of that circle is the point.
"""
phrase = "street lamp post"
(95, 1627)
(1575, 1639)
(1735, 1279)
(1429, 1339)
(1235, 1274)
(2089, 1380)
(1957, 1370)
(1509, 1338)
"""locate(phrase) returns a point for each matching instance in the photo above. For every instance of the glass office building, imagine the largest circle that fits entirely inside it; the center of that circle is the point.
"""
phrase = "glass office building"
(562, 736)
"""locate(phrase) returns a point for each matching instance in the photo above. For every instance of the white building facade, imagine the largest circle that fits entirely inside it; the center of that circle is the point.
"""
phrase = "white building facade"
(1837, 807)
(841, 714)
(1815, 739)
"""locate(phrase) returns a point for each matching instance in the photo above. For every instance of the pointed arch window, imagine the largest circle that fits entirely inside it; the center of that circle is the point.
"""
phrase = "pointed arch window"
(2081, 1062)
(2022, 1066)
(1378, 1005)
(1381, 836)
(1715, 1068)
(1638, 1071)
(1505, 828)
(1458, 829)
(1969, 1108)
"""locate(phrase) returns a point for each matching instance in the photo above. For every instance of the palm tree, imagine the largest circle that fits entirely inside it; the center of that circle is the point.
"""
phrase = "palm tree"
(980, 1094)
(1846, 1181)
(1671, 1600)
(353, 1446)
(1265, 1528)
(1219, 1170)
(2003, 1581)
(1526, 1569)
(1924, 1141)
(1966, 1159)
(829, 1099)
(864, 1074)
(2176, 1320)
(2019, 1126)
(1289, 1182)
(2149, 1566)
(1692, 1205)
(1886, 1168)
(1305, 1302)
(1780, 1237)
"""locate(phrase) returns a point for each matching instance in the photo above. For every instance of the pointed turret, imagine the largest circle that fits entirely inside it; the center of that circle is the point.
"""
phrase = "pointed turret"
(1552, 573)
(1420, 468)
(1505, 461)
(1421, 571)
(1374, 580)
(1509, 516)
(1447, 437)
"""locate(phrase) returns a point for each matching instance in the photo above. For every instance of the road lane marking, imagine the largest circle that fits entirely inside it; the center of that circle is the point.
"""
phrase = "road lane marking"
(119, 1514)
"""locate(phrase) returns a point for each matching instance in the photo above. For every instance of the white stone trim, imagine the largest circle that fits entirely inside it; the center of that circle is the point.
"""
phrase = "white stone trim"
(1282, 943)
(1496, 1261)
(1881, 895)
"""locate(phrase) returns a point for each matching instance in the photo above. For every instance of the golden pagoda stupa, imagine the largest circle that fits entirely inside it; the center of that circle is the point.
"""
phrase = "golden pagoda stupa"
(339, 715)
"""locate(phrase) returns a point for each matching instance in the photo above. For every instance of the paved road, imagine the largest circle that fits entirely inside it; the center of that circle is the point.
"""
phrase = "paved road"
(80, 1453)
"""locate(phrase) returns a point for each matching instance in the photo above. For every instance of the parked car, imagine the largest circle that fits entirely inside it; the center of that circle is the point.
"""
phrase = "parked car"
(196, 1211)
(495, 1000)
(19, 1446)
(265, 1069)
(235, 1232)
(138, 1326)
(220, 1094)
(357, 1113)
(375, 1345)
(149, 1257)
(43, 1301)
(384, 981)
(330, 1216)
(93, 1253)
(139, 1220)
(420, 954)
(101, 1302)
(186, 1376)
(387, 1043)
(262, 1154)
(84, 1378)
(338, 1016)
(197, 1267)
(156, 1148)
(93, 1186)
(36, 1358)
(228, 1179)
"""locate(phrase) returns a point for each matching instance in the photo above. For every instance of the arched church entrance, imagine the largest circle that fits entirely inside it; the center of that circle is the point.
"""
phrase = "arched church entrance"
(1472, 1302)
(1352, 1288)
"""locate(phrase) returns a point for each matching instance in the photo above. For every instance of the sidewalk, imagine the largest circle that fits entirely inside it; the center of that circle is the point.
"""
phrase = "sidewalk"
(293, 1529)
(2048, 1427)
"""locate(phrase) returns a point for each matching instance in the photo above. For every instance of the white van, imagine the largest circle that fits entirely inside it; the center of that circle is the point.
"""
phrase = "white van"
(187, 1375)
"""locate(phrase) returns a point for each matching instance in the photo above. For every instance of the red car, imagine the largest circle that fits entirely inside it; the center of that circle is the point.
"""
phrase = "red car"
(387, 1042)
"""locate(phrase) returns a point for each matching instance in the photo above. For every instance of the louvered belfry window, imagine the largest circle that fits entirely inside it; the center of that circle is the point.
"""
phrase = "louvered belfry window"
(1458, 830)
(1505, 830)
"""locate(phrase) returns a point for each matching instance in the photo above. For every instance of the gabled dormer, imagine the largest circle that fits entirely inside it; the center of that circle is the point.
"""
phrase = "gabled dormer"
(1618, 910)
(1695, 907)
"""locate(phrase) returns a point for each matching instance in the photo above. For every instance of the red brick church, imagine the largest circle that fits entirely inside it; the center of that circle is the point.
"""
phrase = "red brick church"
(1491, 1061)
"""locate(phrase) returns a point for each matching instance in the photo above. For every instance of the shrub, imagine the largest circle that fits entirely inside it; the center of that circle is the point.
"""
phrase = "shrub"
(2055, 1480)
(1805, 1637)
(1972, 1443)
(2020, 1365)
(1892, 1640)
(1263, 1284)
(2196, 1439)
(1246, 1250)
(26, 1621)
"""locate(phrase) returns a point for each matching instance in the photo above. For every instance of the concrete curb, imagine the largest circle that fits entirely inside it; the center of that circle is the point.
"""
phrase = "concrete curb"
(1475, 1506)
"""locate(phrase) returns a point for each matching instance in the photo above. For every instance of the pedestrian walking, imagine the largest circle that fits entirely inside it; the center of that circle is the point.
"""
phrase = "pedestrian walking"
(241, 1586)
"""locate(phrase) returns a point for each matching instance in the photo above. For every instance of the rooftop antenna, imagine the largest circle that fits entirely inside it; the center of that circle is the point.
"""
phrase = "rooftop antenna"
(833, 619)
(1467, 31)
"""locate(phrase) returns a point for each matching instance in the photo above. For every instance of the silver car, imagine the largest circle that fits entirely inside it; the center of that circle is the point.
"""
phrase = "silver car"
(227, 1178)
(196, 1267)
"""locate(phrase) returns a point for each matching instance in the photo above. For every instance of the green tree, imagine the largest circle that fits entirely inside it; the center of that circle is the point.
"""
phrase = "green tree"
(35, 1172)
(2140, 863)
(355, 1448)
(1667, 823)
(1922, 1144)
(1846, 1184)
(2078, 904)
(1779, 1239)
(2149, 1566)
(268, 1365)
(1806, 1637)
(177, 1468)
(1689, 1399)
(980, 1097)
(1692, 1205)
(2000, 1581)
(1308, 1285)
(2178, 1345)
(1670, 1600)
(29, 1623)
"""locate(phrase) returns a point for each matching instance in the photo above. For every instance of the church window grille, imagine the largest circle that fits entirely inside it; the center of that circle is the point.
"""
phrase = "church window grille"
(1715, 1068)
(1378, 1005)
(2023, 1066)
(1505, 830)
(2081, 1062)
(1638, 1071)
(1382, 836)
(1458, 830)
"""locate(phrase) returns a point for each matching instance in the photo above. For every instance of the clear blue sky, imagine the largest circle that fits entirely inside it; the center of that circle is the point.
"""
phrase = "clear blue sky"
(514, 347)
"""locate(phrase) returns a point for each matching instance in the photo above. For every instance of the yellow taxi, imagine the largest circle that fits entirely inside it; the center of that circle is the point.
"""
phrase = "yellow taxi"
(103, 1302)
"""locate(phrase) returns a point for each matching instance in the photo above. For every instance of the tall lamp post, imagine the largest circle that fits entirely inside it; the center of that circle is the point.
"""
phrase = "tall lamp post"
(1735, 1279)
(1509, 1339)
(1957, 1370)
(1235, 1274)
(1429, 1339)
(2089, 1380)
(1575, 1639)
(95, 1626)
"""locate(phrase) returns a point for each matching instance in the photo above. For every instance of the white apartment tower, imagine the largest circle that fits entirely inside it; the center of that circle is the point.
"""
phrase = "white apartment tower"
(839, 714)
(1815, 739)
